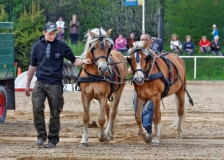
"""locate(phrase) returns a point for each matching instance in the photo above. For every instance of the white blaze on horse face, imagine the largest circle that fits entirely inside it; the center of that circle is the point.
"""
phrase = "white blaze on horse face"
(139, 75)
(102, 65)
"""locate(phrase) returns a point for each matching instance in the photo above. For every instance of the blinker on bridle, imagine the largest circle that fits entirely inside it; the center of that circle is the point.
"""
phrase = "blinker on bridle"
(102, 47)
(137, 58)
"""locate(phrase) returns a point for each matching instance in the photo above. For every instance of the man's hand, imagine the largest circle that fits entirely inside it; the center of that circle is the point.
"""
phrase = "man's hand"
(27, 91)
(87, 61)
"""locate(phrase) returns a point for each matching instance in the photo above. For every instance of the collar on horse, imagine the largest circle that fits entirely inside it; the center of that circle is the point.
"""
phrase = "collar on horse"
(149, 77)
(96, 78)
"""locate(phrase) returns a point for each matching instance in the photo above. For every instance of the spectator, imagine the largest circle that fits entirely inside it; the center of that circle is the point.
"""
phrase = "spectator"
(216, 46)
(74, 29)
(175, 44)
(131, 40)
(60, 34)
(121, 44)
(61, 28)
(204, 45)
(156, 44)
(60, 23)
(188, 46)
(215, 31)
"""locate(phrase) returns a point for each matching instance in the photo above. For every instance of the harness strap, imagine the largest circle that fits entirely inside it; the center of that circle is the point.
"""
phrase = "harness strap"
(168, 83)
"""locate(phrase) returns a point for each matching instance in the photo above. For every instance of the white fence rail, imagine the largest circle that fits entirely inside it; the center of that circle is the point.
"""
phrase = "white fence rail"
(195, 61)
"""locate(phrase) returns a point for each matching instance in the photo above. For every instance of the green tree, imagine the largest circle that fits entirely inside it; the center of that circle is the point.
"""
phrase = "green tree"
(3, 14)
(106, 13)
(28, 29)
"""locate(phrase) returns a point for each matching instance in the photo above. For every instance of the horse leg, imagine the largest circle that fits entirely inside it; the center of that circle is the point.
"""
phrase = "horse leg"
(108, 111)
(86, 105)
(110, 126)
(156, 120)
(101, 121)
(182, 110)
(138, 117)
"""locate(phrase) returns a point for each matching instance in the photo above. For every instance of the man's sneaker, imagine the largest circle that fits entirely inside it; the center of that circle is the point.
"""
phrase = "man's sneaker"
(40, 142)
(50, 145)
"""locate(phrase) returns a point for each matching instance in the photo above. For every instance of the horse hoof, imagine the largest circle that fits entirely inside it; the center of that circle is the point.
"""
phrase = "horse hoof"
(102, 139)
(111, 138)
(83, 145)
(148, 138)
(155, 142)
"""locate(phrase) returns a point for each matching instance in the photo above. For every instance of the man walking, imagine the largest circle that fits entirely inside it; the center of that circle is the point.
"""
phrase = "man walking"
(47, 61)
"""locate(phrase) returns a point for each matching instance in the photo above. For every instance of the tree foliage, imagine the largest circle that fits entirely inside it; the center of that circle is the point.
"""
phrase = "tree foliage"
(105, 13)
(27, 31)
(3, 14)
(193, 17)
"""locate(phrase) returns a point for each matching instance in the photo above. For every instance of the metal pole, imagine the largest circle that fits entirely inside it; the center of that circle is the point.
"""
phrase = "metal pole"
(195, 67)
(143, 16)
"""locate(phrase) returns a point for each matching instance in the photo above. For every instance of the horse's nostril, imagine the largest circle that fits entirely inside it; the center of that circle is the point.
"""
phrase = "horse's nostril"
(100, 68)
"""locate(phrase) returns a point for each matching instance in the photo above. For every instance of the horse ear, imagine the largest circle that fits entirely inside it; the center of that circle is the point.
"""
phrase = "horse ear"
(109, 32)
(91, 33)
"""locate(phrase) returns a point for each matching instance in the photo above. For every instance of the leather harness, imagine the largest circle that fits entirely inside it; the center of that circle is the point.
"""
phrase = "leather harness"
(167, 82)
(95, 78)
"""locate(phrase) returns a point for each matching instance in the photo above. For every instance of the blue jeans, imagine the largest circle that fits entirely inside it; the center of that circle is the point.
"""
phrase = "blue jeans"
(74, 38)
(147, 113)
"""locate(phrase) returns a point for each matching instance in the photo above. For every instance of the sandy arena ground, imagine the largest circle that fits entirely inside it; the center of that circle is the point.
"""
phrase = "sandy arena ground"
(203, 136)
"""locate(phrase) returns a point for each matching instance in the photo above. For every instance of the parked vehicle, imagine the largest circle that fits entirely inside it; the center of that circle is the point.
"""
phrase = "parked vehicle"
(7, 74)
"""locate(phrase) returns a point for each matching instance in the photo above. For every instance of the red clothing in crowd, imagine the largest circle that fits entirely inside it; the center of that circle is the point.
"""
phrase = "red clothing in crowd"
(202, 43)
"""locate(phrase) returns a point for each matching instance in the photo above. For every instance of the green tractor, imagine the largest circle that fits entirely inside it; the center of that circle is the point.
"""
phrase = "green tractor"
(7, 74)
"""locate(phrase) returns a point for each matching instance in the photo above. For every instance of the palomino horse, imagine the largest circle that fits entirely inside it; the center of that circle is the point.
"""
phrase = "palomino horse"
(157, 76)
(102, 80)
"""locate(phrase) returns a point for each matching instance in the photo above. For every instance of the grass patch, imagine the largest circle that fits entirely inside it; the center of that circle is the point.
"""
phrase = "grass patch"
(77, 49)
(207, 69)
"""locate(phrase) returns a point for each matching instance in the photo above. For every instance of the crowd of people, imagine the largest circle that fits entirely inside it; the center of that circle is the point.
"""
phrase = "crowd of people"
(205, 46)
(188, 47)
(122, 44)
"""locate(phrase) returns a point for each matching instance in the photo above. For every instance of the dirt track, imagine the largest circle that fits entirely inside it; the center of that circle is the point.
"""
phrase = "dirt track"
(203, 136)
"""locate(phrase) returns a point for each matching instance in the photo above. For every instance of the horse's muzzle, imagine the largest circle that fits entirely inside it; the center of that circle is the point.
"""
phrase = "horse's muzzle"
(139, 80)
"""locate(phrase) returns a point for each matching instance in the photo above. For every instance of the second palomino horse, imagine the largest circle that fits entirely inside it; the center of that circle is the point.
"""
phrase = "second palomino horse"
(155, 77)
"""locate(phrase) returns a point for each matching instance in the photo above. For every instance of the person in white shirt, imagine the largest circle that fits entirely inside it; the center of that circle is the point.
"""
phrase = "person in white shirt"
(60, 23)
(175, 44)
(61, 28)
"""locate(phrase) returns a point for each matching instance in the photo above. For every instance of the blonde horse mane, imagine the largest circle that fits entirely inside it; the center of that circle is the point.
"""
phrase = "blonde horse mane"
(88, 38)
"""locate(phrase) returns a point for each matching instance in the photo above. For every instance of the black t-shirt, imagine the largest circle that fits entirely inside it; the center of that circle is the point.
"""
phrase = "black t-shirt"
(48, 57)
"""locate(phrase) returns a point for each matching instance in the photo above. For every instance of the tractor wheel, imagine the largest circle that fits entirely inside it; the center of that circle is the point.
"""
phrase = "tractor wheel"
(3, 106)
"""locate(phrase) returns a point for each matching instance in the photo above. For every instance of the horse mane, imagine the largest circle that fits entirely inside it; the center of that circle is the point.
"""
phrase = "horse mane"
(88, 38)
(138, 45)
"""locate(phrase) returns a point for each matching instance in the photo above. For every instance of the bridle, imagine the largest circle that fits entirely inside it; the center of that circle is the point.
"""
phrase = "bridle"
(103, 39)
(149, 56)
